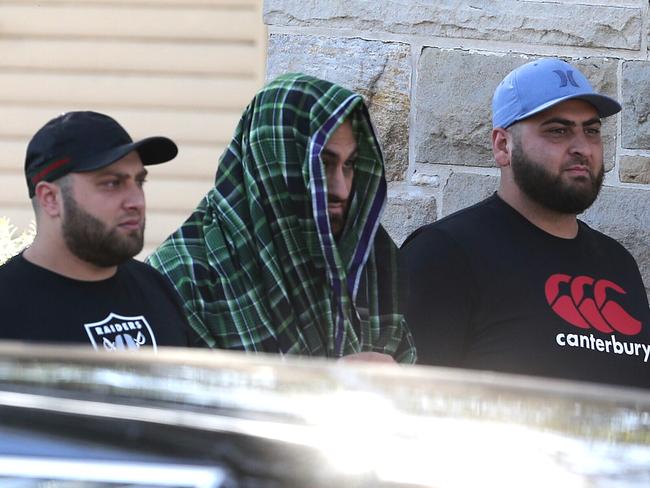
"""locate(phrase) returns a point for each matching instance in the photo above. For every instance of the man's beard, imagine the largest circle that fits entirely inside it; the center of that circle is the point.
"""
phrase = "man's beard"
(550, 191)
(89, 239)
(337, 222)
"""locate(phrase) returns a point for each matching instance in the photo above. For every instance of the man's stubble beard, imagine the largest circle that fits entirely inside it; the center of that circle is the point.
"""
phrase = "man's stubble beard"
(337, 224)
(90, 239)
(551, 191)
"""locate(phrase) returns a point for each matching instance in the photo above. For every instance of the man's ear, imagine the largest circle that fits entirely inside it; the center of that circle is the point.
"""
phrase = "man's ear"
(49, 198)
(501, 146)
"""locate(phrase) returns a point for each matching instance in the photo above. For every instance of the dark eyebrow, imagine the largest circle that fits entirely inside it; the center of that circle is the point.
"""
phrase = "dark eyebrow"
(332, 154)
(570, 123)
(595, 120)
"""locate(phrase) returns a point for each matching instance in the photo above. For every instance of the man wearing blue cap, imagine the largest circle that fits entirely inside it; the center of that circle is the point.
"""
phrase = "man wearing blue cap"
(517, 283)
(78, 281)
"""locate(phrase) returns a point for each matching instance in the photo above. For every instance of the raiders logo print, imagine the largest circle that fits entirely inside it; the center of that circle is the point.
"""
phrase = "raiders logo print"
(590, 304)
(120, 333)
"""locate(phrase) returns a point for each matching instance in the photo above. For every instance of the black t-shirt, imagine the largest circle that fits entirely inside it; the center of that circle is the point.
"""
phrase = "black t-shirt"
(134, 308)
(490, 290)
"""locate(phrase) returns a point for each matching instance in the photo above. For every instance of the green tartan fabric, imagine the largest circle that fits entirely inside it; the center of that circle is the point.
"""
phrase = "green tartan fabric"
(256, 264)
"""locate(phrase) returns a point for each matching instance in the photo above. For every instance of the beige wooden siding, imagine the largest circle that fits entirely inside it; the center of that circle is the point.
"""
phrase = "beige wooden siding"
(184, 69)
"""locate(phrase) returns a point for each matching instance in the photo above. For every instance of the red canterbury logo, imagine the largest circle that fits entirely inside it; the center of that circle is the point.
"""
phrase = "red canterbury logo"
(593, 310)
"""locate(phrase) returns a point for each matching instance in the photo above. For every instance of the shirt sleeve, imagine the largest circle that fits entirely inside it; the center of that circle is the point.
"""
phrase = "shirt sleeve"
(439, 300)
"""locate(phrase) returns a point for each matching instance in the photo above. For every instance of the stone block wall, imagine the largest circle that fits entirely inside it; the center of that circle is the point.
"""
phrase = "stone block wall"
(428, 69)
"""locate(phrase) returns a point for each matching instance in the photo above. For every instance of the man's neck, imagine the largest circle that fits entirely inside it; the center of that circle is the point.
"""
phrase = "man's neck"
(555, 223)
(56, 257)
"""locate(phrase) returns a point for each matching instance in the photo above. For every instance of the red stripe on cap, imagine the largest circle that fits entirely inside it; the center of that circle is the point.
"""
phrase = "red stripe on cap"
(48, 169)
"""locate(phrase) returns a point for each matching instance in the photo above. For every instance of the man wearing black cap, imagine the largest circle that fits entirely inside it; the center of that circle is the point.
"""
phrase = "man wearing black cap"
(78, 281)
(517, 283)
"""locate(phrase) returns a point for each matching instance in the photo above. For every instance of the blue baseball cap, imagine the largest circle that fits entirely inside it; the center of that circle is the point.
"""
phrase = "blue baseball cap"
(539, 85)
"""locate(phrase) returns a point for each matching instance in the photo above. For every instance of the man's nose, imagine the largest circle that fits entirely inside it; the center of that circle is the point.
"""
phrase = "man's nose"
(336, 181)
(581, 145)
(134, 198)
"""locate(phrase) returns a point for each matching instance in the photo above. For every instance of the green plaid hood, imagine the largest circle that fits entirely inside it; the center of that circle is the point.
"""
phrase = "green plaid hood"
(256, 264)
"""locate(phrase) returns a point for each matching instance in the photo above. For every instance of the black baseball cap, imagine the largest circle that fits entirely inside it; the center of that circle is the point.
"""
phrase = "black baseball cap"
(76, 142)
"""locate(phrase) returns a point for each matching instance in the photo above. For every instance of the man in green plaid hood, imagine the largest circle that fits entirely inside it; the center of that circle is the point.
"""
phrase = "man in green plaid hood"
(285, 253)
